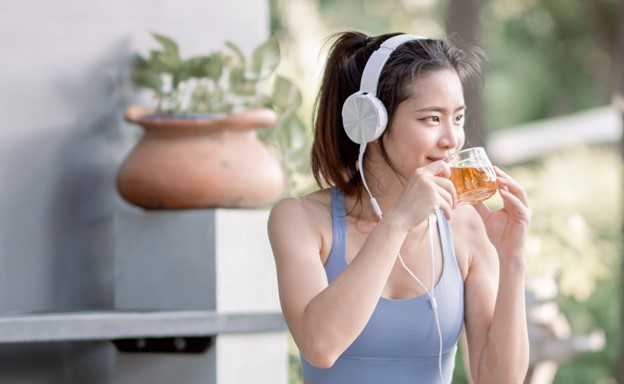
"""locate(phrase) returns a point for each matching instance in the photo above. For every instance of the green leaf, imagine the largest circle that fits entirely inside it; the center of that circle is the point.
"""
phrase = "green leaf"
(286, 95)
(243, 87)
(202, 67)
(236, 80)
(147, 78)
(238, 61)
(265, 58)
(169, 58)
(292, 132)
(264, 101)
(139, 63)
(169, 45)
(160, 61)
(215, 68)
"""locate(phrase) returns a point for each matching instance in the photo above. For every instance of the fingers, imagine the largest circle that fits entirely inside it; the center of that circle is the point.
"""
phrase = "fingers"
(449, 188)
(514, 196)
(482, 210)
(442, 172)
(516, 205)
(507, 184)
(438, 168)
(432, 180)
(448, 197)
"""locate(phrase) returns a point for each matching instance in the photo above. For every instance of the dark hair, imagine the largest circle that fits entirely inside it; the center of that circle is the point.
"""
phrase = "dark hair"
(334, 155)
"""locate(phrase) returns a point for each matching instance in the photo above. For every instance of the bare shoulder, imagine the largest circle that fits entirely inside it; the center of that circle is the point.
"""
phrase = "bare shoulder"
(469, 238)
(312, 207)
(304, 219)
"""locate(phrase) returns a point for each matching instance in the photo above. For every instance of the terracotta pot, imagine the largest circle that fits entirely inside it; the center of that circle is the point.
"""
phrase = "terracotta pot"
(200, 163)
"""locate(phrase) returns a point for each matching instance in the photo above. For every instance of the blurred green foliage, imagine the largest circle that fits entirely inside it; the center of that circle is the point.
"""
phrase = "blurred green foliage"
(575, 196)
(600, 311)
(575, 237)
(223, 81)
(547, 58)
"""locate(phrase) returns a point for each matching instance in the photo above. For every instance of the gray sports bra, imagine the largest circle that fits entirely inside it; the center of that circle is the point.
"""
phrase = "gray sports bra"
(399, 345)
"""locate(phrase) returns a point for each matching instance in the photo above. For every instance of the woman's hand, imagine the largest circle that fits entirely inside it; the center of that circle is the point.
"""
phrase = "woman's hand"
(428, 189)
(507, 228)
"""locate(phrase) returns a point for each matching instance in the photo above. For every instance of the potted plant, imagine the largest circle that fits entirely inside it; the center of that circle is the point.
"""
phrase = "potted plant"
(200, 147)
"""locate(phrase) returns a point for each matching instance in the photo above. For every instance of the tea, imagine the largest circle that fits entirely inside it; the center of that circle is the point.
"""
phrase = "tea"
(473, 184)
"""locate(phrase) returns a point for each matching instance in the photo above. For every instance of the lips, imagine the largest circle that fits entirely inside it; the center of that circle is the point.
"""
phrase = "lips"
(444, 158)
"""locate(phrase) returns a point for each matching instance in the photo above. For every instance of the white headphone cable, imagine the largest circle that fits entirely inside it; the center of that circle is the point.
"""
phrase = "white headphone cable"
(432, 299)
(430, 225)
(373, 201)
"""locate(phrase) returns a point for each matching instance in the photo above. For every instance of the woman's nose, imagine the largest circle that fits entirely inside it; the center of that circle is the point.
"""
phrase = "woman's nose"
(449, 137)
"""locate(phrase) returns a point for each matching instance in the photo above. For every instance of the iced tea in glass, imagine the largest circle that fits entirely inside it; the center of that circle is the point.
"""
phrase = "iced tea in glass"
(472, 175)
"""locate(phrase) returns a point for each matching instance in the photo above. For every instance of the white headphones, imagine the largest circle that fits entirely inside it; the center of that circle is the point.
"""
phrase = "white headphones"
(364, 116)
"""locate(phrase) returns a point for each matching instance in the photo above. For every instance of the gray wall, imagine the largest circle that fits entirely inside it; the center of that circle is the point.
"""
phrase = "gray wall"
(63, 87)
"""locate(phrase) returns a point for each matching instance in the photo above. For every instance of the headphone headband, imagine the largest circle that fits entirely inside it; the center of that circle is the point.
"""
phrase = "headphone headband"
(376, 62)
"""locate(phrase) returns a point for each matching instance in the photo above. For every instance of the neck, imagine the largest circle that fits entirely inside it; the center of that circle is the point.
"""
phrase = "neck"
(383, 182)
(385, 188)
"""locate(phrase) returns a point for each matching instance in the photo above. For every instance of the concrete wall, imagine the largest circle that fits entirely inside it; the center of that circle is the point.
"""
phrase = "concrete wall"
(63, 87)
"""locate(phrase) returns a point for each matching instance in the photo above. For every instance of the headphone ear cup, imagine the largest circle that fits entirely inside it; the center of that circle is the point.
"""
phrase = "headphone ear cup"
(364, 117)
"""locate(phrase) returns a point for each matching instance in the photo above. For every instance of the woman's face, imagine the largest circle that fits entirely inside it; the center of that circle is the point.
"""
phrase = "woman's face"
(429, 125)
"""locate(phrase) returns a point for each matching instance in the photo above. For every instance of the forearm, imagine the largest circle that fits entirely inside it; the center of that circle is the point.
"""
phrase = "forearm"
(505, 353)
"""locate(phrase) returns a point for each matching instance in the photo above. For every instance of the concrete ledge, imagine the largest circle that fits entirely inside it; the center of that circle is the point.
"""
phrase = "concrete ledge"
(84, 326)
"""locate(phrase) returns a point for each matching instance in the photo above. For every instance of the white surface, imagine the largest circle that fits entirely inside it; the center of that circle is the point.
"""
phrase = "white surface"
(82, 326)
(246, 277)
(257, 359)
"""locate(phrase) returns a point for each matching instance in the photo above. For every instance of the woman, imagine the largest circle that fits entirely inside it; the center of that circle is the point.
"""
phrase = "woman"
(366, 294)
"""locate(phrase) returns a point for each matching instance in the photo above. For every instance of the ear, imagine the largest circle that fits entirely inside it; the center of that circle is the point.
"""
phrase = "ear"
(364, 117)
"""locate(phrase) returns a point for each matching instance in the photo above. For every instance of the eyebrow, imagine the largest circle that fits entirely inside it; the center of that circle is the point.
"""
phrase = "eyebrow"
(439, 109)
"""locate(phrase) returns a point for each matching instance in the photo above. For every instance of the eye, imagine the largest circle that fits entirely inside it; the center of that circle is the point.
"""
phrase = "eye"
(459, 118)
(433, 119)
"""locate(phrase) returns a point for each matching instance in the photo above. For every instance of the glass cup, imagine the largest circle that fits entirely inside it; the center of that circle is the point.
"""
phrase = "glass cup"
(472, 175)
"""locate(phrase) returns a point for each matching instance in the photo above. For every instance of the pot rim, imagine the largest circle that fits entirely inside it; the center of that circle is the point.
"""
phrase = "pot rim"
(246, 120)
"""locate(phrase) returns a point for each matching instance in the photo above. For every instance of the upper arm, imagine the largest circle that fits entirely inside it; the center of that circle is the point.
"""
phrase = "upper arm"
(480, 288)
(295, 236)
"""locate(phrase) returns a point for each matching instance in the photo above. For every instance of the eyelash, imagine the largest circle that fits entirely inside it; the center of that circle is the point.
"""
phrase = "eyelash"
(436, 119)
